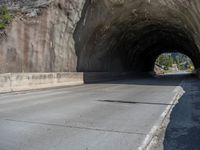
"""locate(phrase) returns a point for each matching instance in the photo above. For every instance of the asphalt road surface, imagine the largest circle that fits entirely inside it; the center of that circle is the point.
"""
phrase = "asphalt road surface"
(106, 116)
(183, 130)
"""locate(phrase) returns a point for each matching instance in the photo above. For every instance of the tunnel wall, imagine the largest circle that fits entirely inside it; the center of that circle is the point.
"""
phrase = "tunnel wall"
(97, 35)
(129, 35)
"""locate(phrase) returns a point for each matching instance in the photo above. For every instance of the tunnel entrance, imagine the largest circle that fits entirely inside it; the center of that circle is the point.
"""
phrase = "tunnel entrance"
(173, 63)
(123, 42)
(129, 49)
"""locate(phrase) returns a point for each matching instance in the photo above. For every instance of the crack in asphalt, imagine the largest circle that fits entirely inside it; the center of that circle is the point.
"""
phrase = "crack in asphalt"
(75, 127)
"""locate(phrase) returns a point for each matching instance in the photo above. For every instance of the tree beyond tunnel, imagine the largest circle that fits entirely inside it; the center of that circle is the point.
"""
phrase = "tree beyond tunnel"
(131, 36)
(173, 63)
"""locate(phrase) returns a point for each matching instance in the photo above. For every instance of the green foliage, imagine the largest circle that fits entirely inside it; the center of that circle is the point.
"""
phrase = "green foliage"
(167, 60)
(5, 17)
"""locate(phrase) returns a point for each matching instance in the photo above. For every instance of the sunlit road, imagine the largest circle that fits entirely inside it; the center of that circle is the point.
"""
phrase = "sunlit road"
(108, 116)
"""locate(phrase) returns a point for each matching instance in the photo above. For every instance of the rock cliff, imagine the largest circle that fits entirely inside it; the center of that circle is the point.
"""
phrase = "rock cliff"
(40, 37)
(97, 35)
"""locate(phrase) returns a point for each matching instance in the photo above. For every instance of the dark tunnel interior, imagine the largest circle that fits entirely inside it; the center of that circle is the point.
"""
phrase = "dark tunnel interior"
(128, 44)
(140, 53)
(131, 49)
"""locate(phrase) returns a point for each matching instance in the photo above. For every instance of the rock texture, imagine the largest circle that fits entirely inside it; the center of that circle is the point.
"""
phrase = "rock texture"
(40, 38)
(97, 35)
(118, 35)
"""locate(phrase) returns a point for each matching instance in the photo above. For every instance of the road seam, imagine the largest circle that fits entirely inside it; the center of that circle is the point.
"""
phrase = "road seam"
(153, 132)
(75, 127)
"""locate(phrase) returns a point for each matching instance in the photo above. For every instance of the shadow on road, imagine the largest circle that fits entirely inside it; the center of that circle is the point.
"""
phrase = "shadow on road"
(144, 79)
(134, 102)
(183, 130)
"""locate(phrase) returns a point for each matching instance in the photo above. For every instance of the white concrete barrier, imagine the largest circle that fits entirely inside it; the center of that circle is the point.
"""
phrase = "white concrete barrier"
(28, 81)
(12, 82)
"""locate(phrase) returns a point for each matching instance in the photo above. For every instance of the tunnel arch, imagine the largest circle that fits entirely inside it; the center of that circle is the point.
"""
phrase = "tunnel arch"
(153, 40)
(137, 51)
(126, 42)
(163, 40)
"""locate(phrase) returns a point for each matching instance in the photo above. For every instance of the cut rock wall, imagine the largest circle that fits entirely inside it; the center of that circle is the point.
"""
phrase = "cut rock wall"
(97, 35)
(40, 37)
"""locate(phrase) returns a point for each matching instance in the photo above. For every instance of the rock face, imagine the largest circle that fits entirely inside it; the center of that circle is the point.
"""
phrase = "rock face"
(98, 35)
(40, 38)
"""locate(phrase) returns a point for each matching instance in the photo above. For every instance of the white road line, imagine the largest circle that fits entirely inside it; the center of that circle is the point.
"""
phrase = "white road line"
(149, 137)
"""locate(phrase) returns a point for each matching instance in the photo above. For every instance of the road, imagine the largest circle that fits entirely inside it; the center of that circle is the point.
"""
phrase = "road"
(183, 130)
(106, 116)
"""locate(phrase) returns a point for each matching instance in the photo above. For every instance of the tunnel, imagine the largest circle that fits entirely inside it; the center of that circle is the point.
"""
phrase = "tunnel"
(129, 36)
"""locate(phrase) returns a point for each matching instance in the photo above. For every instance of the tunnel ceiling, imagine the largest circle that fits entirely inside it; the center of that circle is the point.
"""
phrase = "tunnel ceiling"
(129, 35)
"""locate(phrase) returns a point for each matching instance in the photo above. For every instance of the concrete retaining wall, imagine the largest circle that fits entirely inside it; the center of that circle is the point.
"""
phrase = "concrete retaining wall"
(12, 82)
(29, 81)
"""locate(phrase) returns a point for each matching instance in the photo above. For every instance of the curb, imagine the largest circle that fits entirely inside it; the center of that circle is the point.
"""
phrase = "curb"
(153, 132)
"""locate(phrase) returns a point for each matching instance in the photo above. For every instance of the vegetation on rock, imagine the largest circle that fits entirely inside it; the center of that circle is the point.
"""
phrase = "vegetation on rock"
(5, 17)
